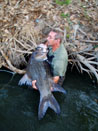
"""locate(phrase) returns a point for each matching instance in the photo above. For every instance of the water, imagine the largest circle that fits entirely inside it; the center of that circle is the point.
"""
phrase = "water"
(19, 106)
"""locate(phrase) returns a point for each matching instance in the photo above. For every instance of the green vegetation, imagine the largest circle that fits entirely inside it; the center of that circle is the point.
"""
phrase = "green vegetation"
(96, 46)
(66, 2)
(68, 36)
(65, 15)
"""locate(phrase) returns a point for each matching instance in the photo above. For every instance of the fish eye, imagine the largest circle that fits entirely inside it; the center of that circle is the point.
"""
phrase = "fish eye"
(39, 48)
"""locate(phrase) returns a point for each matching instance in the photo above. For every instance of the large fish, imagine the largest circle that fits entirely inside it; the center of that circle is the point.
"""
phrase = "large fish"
(38, 69)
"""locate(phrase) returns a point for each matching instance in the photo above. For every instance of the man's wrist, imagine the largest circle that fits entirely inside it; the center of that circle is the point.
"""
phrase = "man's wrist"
(56, 79)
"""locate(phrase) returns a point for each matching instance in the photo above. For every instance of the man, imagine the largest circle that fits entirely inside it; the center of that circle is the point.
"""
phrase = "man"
(57, 56)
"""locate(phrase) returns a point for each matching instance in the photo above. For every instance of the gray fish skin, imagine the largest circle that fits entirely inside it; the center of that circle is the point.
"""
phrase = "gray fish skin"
(39, 71)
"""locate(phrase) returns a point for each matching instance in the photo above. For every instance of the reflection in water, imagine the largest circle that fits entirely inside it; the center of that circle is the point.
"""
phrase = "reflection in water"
(19, 106)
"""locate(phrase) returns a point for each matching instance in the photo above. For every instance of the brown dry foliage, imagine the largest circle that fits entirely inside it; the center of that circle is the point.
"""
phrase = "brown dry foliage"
(23, 24)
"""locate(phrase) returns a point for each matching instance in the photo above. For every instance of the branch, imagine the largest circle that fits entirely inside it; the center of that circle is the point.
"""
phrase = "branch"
(89, 41)
(10, 66)
(83, 60)
(75, 27)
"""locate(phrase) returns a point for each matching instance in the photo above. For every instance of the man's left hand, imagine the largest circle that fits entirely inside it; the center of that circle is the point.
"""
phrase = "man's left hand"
(56, 79)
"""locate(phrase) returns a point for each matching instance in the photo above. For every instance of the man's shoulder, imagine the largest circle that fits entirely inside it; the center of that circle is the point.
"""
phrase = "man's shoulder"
(62, 46)
(62, 50)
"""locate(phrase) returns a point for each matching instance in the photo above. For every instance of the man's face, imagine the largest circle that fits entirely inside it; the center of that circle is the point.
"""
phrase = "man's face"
(51, 38)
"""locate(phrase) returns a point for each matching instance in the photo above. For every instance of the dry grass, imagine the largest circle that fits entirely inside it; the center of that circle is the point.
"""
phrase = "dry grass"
(24, 24)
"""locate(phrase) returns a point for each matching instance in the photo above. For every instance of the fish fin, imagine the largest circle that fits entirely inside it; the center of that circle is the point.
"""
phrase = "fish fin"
(57, 87)
(25, 80)
(45, 102)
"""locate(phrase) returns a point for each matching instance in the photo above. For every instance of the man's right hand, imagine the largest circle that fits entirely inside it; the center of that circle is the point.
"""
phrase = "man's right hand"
(56, 79)
(33, 84)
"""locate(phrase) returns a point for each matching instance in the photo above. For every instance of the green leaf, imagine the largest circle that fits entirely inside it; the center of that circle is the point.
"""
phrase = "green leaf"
(68, 35)
(96, 46)
(66, 2)
(65, 15)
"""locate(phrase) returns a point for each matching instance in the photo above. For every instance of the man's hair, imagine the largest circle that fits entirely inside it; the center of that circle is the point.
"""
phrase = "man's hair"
(58, 35)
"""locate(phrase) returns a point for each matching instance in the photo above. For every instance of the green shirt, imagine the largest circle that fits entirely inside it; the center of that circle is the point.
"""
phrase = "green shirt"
(59, 61)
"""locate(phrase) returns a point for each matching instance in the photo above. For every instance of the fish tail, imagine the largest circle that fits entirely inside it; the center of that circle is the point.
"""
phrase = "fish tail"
(45, 102)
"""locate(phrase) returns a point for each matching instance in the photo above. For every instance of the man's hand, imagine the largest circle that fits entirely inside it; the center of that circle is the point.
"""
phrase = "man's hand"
(56, 79)
(33, 84)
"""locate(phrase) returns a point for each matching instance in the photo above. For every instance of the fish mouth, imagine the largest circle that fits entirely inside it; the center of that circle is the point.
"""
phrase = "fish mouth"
(41, 52)
(41, 56)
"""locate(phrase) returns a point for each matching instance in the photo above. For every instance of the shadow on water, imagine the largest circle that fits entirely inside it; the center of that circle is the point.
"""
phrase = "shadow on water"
(19, 106)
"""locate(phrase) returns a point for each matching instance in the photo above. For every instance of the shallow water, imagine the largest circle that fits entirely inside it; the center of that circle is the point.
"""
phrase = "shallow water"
(19, 106)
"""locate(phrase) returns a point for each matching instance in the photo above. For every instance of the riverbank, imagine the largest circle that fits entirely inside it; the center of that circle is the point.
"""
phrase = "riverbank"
(24, 24)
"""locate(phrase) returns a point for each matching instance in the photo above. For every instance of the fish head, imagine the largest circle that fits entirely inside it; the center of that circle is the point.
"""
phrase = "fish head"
(41, 52)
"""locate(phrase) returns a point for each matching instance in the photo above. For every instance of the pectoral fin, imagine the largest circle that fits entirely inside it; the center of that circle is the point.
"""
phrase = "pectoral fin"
(25, 80)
